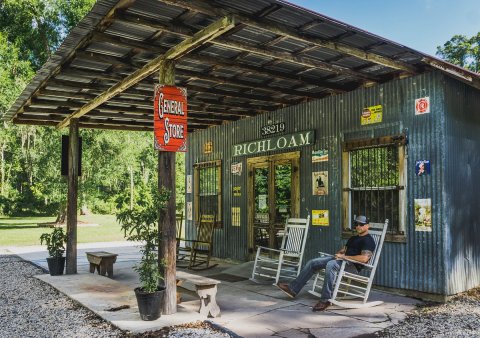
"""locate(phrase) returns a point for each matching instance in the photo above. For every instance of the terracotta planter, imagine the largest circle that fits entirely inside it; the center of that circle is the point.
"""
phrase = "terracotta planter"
(149, 304)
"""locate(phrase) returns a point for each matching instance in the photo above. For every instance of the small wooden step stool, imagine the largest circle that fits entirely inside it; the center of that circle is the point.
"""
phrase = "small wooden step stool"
(102, 261)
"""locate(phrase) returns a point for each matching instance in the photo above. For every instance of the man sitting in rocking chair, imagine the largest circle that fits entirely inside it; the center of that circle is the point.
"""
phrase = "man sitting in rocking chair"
(359, 248)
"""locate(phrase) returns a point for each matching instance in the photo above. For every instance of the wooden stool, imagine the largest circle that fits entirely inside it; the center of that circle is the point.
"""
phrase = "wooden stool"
(102, 261)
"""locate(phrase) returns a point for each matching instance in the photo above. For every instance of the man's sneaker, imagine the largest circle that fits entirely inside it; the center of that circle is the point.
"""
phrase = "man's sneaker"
(285, 288)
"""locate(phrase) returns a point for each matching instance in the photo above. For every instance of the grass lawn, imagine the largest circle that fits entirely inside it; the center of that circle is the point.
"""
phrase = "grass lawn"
(21, 231)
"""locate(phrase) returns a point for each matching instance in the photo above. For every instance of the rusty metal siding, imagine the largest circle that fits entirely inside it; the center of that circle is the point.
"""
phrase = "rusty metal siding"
(462, 176)
(417, 264)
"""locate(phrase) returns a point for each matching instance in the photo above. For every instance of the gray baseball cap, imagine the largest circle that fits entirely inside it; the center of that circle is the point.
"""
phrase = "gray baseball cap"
(361, 219)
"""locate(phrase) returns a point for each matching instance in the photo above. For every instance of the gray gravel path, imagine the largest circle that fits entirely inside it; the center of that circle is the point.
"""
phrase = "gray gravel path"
(31, 308)
(460, 317)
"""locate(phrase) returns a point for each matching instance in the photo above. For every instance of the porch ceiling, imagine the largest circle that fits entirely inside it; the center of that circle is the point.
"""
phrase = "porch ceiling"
(276, 55)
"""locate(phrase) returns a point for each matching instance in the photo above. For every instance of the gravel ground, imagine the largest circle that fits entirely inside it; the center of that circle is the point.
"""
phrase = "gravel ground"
(31, 308)
(460, 317)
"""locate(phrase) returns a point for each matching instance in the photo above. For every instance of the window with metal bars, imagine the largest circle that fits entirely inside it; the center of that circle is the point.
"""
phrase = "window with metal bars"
(208, 192)
(374, 182)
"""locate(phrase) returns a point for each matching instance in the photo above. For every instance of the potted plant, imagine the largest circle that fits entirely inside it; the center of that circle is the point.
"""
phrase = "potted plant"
(141, 224)
(55, 242)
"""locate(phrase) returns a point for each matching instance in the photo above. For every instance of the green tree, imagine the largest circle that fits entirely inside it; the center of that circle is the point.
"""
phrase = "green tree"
(118, 168)
(462, 51)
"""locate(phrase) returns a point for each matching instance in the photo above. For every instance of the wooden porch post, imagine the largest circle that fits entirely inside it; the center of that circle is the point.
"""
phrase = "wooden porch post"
(166, 178)
(73, 149)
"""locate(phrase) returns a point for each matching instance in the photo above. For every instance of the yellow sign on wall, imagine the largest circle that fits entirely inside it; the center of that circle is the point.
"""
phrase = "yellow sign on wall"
(236, 216)
(320, 217)
(371, 115)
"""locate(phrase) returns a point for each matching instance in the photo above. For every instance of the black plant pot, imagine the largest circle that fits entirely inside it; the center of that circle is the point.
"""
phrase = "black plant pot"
(56, 265)
(149, 303)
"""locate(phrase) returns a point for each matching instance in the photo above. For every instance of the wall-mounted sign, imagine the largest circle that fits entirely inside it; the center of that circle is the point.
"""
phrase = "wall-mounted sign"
(237, 168)
(320, 217)
(289, 141)
(320, 155)
(237, 191)
(320, 182)
(235, 216)
(208, 147)
(189, 211)
(423, 214)
(371, 115)
(274, 128)
(170, 118)
(422, 105)
(422, 168)
(189, 184)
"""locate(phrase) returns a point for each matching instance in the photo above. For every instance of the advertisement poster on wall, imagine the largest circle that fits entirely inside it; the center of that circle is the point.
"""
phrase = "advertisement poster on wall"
(422, 168)
(320, 217)
(320, 155)
(320, 183)
(371, 115)
(235, 216)
(189, 184)
(189, 211)
(423, 214)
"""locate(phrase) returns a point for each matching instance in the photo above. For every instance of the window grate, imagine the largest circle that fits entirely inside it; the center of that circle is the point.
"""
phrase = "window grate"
(374, 184)
(208, 191)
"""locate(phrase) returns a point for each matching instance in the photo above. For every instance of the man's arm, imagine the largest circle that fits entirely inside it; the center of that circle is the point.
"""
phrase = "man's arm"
(364, 257)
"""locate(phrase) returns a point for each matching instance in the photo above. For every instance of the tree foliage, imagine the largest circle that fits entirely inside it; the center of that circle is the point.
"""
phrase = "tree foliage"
(462, 51)
(118, 168)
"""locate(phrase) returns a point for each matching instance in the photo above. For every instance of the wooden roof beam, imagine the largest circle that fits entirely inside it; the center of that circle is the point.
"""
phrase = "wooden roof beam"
(184, 31)
(229, 63)
(279, 29)
(210, 32)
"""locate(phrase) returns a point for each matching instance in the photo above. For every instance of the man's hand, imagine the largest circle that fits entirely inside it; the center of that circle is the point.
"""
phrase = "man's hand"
(340, 255)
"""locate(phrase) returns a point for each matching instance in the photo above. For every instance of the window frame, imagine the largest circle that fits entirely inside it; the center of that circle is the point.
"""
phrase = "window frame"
(400, 141)
(217, 164)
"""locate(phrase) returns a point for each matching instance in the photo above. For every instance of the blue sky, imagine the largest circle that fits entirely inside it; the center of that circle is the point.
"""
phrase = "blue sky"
(419, 24)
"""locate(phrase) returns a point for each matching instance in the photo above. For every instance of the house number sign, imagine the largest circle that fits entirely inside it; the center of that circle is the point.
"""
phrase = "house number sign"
(274, 128)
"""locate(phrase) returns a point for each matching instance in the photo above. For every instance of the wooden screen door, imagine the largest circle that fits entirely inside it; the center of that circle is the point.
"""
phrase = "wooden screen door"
(273, 196)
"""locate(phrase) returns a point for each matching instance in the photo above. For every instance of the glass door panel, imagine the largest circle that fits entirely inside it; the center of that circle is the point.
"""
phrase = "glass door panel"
(273, 197)
(262, 212)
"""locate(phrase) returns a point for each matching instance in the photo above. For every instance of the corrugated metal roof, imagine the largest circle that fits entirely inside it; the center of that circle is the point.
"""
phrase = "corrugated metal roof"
(277, 55)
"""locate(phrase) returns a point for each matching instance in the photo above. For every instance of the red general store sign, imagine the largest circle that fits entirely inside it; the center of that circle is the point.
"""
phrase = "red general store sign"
(170, 118)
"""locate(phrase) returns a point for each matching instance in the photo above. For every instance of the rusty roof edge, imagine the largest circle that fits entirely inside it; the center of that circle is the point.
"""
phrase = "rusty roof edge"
(75, 38)
(440, 64)
(456, 71)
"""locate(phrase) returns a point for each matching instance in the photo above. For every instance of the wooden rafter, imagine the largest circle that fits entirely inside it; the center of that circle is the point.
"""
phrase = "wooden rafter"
(276, 28)
(210, 32)
(306, 61)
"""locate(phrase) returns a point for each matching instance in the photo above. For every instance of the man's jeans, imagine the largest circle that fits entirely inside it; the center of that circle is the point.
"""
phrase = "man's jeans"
(331, 266)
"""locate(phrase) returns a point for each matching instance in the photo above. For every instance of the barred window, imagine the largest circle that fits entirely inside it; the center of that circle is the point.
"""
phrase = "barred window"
(374, 183)
(208, 192)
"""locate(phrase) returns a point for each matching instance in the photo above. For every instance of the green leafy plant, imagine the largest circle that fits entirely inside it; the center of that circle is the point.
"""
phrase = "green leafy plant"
(141, 224)
(55, 242)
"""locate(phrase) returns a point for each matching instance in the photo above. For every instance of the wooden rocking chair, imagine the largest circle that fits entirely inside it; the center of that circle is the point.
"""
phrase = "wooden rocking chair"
(198, 251)
(352, 287)
(286, 261)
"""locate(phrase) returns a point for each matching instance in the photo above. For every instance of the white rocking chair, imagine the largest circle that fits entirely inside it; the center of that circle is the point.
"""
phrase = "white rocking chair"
(350, 287)
(286, 261)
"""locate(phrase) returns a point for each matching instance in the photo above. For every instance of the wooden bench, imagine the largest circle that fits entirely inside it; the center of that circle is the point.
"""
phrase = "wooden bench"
(102, 261)
(206, 289)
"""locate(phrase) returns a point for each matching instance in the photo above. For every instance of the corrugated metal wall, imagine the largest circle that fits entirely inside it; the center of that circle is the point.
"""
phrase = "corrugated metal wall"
(462, 177)
(417, 264)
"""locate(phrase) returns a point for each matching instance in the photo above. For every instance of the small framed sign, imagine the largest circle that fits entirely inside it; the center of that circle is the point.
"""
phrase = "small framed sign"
(422, 168)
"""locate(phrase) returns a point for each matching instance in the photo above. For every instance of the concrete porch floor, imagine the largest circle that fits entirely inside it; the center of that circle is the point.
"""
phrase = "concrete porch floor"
(248, 309)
